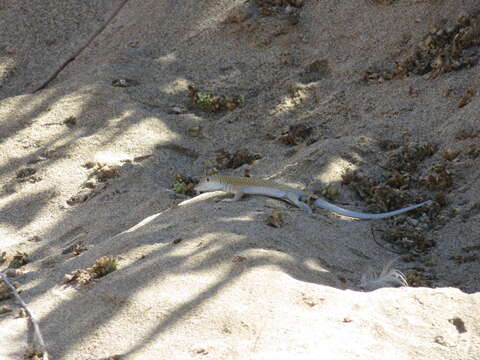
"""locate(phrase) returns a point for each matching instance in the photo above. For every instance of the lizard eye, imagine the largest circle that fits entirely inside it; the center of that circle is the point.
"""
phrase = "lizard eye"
(207, 179)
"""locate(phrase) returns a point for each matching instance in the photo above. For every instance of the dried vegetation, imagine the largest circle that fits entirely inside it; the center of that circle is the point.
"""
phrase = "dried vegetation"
(102, 267)
(212, 103)
(184, 184)
(448, 46)
(226, 160)
(99, 174)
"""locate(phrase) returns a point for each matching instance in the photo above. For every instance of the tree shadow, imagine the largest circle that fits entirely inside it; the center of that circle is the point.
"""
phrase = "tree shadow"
(150, 249)
(151, 257)
(22, 211)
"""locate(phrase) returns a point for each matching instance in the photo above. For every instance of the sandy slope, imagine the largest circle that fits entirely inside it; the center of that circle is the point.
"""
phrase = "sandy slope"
(210, 279)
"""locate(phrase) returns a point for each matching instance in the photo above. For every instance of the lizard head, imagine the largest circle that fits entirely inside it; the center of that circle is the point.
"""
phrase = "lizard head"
(209, 183)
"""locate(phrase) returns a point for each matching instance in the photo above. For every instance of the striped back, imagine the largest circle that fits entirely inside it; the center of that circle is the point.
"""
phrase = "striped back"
(245, 181)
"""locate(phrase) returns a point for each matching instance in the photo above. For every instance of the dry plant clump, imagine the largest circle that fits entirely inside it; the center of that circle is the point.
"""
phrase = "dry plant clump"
(463, 259)
(416, 278)
(25, 172)
(4, 308)
(401, 185)
(409, 239)
(18, 260)
(70, 121)
(400, 178)
(315, 71)
(407, 157)
(209, 102)
(226, 160)
(450, 155)
(297, 134)
(32, 354)
(76, 249)
(184, 184)
(27, 175)
(278, 7)
(330, 191)
(438, 178)
(379, 197)
(97, 181)
(275, 219)
(102, 267)
(400, 166)
(448, 46)
(5, 291)
(466, 98)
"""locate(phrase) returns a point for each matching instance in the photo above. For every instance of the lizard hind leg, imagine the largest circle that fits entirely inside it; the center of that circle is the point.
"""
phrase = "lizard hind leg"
(295, 200)
(237, 196)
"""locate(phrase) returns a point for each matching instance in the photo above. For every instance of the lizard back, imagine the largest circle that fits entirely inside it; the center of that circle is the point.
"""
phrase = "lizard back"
(249, 182)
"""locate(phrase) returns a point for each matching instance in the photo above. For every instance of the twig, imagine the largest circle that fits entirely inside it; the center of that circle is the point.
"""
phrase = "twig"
(36, 328)
(83, 47)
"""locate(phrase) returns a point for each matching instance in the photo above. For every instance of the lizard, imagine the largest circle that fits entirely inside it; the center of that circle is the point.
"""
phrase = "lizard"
(240, 186)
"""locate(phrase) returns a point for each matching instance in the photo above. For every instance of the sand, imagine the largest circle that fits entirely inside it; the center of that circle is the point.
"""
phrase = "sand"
(88, 163)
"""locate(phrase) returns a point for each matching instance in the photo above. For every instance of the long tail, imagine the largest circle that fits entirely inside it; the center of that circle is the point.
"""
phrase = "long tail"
(359, 215)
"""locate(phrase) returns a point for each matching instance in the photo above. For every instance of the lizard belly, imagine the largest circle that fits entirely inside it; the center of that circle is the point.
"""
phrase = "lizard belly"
(292, 196)
(259, 190)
